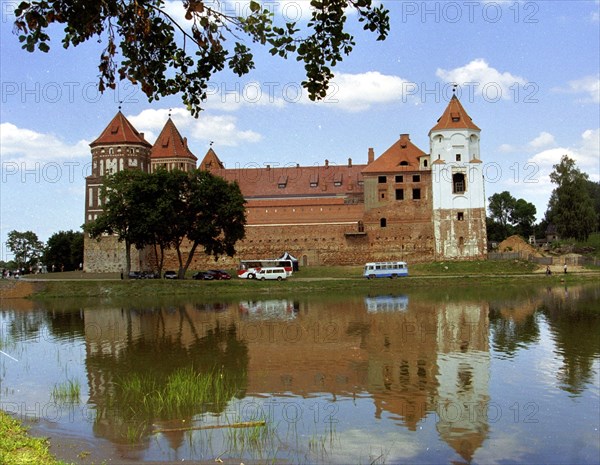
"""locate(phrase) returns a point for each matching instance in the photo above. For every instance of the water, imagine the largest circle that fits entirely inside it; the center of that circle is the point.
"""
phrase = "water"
(428, 377)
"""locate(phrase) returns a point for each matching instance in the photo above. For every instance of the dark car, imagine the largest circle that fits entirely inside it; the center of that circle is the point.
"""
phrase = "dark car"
(135, 275)
(170, 275)
(203, 275)
(219, 274)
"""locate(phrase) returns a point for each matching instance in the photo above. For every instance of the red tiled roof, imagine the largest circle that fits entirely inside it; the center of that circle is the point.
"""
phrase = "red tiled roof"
(211, 161)
(120, 131)
(170, 144)
(454, 117)
(402, 156)
(300, 182)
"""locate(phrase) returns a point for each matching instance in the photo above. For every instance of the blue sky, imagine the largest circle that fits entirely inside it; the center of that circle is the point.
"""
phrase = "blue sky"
(528, 74)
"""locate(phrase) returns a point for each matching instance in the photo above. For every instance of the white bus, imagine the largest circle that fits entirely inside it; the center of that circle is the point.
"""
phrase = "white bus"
(248, 269)
(385, 270)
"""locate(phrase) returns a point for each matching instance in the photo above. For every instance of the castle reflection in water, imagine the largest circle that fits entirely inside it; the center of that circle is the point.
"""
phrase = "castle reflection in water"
(412, 359)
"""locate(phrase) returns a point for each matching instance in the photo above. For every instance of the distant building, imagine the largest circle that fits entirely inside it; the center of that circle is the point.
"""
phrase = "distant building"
(405, 204)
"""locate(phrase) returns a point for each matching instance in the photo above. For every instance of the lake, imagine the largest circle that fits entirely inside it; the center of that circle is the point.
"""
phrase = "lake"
(433, 376)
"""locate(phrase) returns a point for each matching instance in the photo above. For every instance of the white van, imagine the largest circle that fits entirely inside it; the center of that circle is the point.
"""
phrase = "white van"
(277, 273)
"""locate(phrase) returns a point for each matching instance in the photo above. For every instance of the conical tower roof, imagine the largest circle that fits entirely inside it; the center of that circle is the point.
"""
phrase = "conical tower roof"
(454, 117)
(170, 144)
(120, 131)
(211, 161)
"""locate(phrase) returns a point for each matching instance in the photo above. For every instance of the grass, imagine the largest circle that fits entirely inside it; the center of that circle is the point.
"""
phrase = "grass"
(308, 281)
(67, 392)
(184, 390)
(18, 448)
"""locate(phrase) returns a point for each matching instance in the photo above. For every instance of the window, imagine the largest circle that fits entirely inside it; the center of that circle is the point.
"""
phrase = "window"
(458, 183)
(461, 216)
(416, 194)
(416, 178)
(382, 179)
(404, 163)
(399, 194)
(425, 163)
(458, 157)
(400, 178)
(383, 222)
(382, 195)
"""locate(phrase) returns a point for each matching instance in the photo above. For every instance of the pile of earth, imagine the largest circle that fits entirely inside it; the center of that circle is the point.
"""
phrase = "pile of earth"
(517, 244)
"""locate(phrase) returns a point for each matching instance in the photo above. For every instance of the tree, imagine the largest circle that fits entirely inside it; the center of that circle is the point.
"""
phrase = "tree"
(165, 208)
(64, 248)
(213, 217)
(522, 217)
(509, 216)
(501, 206)
(571, 207)
(149, 40)
(26, 247)
(594, 190)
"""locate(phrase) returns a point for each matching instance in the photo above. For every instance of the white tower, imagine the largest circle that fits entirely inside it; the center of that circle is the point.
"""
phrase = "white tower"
(457, 185)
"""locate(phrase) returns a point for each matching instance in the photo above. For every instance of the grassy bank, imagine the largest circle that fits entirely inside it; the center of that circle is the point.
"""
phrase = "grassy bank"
(18, 448)
(309, 280)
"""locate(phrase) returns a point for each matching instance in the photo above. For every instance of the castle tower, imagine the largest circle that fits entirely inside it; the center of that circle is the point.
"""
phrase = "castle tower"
(119, 147)
(170, 151)
(457, 185)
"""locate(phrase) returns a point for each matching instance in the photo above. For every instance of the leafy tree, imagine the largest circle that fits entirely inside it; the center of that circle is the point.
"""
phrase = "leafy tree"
(167, 208)
(64, 248)
(523, 217)
(571, 207)
(509, 216)
(166, 58)
(26, 247)
(594, 190)
(214, 217)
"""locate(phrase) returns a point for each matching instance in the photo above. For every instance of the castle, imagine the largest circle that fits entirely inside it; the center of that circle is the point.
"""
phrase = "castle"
(405, 204)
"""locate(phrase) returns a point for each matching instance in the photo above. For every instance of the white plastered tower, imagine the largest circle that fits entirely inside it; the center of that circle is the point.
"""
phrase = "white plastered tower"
(458, 193)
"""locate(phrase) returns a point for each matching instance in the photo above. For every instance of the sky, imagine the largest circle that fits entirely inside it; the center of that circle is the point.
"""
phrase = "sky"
(528, 73)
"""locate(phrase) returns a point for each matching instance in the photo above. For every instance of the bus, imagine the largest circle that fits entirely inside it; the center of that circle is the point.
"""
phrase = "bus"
(385, 270)
(248, 268)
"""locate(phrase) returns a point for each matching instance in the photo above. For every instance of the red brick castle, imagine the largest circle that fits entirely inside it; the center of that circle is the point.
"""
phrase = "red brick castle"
(405, 204)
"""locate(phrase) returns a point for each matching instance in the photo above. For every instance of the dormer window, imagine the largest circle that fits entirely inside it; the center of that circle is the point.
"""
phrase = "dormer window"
(314, 180)
(403, 163)
(337, 180)
(455, 117)
(282, 183)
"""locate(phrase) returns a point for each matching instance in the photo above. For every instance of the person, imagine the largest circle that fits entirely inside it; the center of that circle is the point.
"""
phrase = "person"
(565, 268)
(548, 271)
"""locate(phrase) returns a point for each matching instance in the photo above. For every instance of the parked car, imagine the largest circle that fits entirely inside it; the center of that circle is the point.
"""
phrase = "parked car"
(203, 275)
(150, 275)
(170, 275)
(135, 275)
(219, 274)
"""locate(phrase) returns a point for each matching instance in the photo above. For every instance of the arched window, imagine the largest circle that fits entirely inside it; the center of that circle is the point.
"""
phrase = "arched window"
(458, 183)
(383, 222)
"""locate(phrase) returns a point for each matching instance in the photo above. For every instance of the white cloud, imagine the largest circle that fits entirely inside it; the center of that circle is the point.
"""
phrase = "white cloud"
(484, 79)
(221, 129)
(543, 140)
(30, 147)
(359, 92)
(587, 85)
(586, 154)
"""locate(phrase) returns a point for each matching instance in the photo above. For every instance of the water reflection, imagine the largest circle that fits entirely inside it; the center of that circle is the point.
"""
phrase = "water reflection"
(411, 365)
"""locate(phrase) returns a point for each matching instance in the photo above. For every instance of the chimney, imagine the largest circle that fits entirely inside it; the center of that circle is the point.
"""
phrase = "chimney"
(185, 142)
(371, 158)
(404, 138)
(142, 135)
(268, 167)
(349, 162)
(326, 163)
